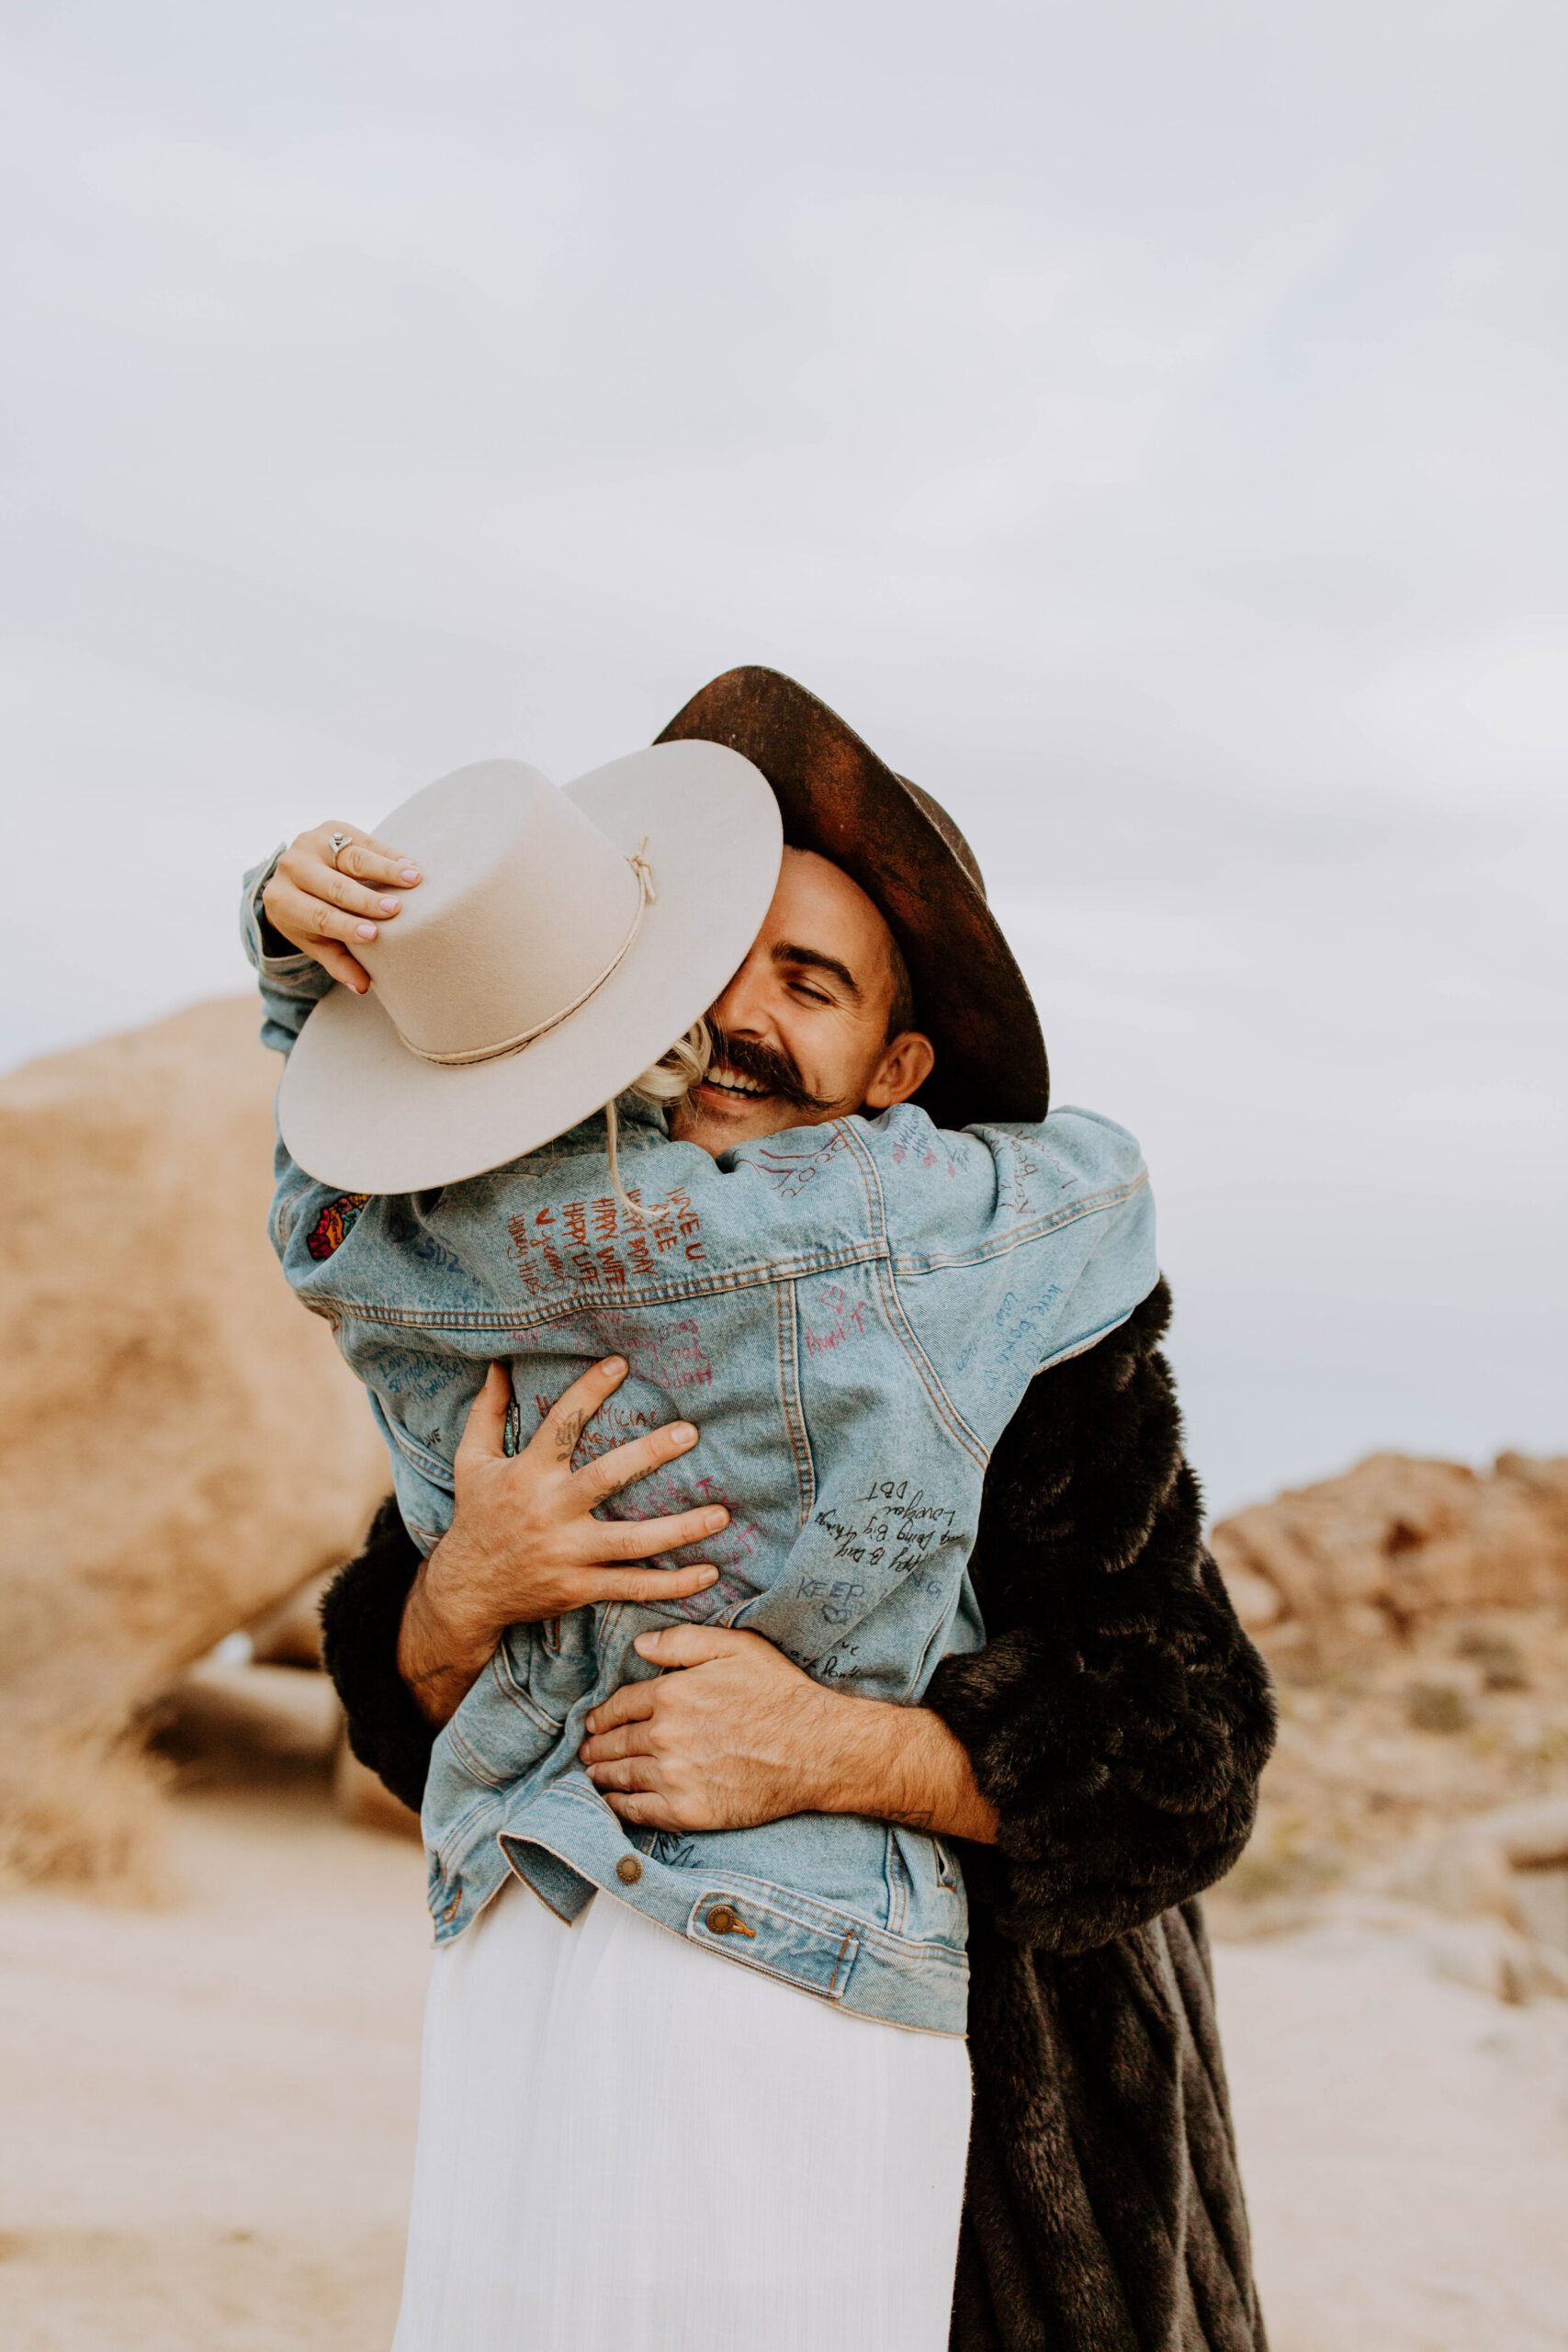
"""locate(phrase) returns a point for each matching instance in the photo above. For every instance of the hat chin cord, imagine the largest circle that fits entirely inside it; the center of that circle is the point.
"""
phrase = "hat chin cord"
(669, 1081)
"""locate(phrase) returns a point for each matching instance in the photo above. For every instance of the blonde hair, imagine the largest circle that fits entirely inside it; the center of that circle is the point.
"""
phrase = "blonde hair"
(669, 1081)
(675, 1074)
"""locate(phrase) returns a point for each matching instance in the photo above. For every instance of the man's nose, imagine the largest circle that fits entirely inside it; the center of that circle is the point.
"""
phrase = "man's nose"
(741, 1010)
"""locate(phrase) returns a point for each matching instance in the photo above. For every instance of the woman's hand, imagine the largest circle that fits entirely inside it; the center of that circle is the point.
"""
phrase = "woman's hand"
(326, 909)
(524, 1545)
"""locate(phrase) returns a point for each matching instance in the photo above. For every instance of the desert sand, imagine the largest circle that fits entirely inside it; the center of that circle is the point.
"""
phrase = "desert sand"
(210, 2106)
(211, 2112)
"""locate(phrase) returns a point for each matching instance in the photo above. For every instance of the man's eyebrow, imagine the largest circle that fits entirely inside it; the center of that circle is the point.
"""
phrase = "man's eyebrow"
(813, 958)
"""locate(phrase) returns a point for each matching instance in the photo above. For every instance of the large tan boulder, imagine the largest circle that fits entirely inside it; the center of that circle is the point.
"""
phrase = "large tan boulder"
(1394, 1543)
(180, 1443)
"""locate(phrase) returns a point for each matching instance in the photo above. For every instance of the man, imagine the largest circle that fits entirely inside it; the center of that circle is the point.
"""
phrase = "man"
(1107, 1738)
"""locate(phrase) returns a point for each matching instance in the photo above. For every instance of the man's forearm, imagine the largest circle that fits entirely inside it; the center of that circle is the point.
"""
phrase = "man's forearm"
(442, 1650)
(902, 1764)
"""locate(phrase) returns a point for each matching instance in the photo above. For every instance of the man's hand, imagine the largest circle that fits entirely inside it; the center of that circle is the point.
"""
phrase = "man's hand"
(524, 1545)
(327, 908)
(730, 1742)
(739, 1736)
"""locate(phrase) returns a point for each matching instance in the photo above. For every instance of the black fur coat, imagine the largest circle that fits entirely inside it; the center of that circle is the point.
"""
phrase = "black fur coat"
(1118, 1720)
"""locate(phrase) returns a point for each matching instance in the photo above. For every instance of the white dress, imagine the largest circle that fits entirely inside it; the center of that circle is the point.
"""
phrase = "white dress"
(628, 2144)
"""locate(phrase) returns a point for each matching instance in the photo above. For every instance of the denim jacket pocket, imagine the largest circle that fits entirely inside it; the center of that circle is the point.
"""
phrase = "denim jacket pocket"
(431, 1467)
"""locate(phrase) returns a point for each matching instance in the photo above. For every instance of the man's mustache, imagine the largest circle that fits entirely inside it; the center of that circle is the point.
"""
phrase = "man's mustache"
(766, 1066)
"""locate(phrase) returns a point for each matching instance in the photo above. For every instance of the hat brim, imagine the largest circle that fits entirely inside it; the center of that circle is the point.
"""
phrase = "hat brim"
(358, 1110)
(837, 797)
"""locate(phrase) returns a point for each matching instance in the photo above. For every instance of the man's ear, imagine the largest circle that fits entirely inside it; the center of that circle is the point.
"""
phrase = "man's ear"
(902, 1071)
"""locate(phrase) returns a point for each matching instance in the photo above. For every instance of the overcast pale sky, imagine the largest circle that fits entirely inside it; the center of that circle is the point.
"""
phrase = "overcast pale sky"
(1144, 424)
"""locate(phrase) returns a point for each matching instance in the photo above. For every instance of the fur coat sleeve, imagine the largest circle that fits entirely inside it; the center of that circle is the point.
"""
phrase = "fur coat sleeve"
(361, 1615)
(1118, 1720)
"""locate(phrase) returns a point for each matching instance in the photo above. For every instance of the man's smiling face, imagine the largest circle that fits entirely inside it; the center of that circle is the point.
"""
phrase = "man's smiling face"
(801, 1033)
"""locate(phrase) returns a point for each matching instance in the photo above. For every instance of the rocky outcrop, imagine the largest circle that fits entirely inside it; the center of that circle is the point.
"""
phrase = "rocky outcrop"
(180, 1444)
(1393, 1544)
(251, 1710)
(1416, 1616)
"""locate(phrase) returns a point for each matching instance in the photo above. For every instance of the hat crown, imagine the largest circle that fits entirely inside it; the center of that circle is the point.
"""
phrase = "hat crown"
(524, 909)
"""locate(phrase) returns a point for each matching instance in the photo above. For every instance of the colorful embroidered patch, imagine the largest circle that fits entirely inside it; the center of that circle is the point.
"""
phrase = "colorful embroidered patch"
(336, 1223)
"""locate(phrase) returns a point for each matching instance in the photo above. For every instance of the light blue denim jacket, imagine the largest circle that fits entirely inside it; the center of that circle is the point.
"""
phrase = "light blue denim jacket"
(851, 1314)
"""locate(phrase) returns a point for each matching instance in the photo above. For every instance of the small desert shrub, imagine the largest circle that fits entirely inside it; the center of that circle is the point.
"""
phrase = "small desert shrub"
(1502, 1666)
(1437, 1706)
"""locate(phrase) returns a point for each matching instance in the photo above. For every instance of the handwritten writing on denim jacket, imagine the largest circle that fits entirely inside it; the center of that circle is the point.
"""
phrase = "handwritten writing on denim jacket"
(1020, 1323)
(842, 1323)
(593, 1245)
(921, 1155)
(667, 1353)
(895, 1530)
(790, 1172)
(613, 1424)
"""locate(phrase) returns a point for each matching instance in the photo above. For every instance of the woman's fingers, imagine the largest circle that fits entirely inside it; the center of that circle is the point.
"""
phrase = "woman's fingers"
(308, 864)
(315, 900)
(341, 965)
(303, 917)
(328, 903)
(366, 859)
(334, 890)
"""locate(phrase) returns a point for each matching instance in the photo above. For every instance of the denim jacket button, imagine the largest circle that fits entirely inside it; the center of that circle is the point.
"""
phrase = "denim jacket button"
(628, 1870)
(723, 1921)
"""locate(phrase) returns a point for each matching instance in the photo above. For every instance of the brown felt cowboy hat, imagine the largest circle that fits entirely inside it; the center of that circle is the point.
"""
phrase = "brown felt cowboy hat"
(837, 797)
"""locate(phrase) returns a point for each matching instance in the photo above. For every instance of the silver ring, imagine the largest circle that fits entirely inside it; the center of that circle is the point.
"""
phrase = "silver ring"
(337, 844)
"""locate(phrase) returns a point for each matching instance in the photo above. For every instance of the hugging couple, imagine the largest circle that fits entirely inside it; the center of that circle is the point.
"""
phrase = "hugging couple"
(791, 1615)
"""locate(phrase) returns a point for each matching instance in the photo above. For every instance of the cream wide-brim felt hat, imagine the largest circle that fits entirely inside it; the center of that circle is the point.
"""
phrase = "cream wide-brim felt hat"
(559, 941)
